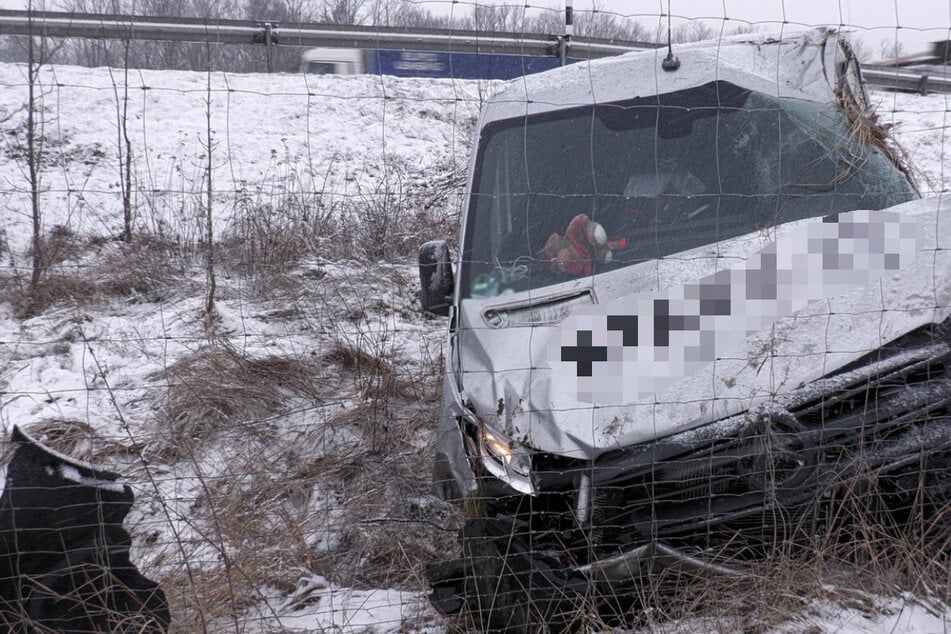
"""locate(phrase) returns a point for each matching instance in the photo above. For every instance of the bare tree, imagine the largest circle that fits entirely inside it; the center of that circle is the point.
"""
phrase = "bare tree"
(494, 18)
(34, 151)
(342, 11)
(691, 31)
(891, 50)
(405, 13)
(600, 23)
(861, 48)
(124, 144)
(210, 311)
(88, 51)
(301, 10)
(596, 22)
(697, 30)
(550, 21)
(276, 10)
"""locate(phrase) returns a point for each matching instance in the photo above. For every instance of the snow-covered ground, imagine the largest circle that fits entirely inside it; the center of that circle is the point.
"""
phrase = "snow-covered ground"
(287, 516)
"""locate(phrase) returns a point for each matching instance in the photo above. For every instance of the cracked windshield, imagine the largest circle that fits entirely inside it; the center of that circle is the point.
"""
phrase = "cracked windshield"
(570, 194)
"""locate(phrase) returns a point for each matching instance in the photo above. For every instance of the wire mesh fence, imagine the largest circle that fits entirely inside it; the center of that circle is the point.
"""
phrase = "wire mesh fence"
(210, 299)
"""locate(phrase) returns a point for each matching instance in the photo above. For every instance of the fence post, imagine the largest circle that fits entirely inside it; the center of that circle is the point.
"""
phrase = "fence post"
(268, 41)
(569, 31)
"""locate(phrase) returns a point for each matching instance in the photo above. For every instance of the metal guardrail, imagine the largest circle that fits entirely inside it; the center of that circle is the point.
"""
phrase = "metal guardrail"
(104, 26)
(128, 27)
(908, 79)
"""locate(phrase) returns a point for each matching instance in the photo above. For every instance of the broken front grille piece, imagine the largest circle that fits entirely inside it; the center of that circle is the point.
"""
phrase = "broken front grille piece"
(881, 425)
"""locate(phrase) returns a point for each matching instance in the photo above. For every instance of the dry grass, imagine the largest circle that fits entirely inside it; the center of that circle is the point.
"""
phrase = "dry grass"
(260, 470)
(217, 387)
(781, 589)
(863, 555)
(58, 245)
(344, 494)
(389, 528)
(867, 128)
(858, 545)
(299, 503)
(265, 241)
(343, 498)
(270, 236)
(391, 222)
(75, 438)
(85, 271)
(377, 377)
(151, 267)
(54, 289)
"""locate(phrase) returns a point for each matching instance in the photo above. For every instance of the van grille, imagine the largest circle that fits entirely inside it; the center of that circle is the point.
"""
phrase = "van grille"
(881, 425)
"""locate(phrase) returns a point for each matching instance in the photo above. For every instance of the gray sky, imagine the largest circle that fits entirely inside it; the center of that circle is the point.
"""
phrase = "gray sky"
(914, 23)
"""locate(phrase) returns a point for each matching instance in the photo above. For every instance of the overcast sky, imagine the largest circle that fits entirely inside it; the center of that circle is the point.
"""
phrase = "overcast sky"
(914, 23)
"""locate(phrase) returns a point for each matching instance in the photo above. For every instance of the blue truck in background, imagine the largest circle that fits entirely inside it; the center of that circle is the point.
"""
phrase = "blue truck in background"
(402, 63)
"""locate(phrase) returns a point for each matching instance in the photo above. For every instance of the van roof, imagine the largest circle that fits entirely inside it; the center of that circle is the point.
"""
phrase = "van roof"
(331, 55)
(813, 65)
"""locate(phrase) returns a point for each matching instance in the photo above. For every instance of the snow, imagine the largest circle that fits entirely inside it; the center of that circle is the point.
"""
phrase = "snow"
(904, 615)
(341, 135)
(70, 472)
(271, 136)
(317, 605)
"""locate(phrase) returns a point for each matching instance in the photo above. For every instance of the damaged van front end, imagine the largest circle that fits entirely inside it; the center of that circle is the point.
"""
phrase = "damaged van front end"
(689, 305)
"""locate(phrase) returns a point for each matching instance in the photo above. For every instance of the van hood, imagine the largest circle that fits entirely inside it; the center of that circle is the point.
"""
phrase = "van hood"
(561, 369)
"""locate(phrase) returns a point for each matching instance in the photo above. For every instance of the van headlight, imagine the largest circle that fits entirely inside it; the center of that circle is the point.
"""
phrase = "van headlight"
(507, 462)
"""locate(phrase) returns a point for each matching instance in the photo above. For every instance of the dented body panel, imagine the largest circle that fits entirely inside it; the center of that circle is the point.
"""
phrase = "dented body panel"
(528, 391)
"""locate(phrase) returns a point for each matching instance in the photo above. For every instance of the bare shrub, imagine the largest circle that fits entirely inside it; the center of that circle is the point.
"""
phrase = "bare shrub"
(266, 240)
(393, 220)
(51, 290)
(381, 390)
(58, 245)
(84, 271)
(55, 285)
(377, 376)
(270, 236)
(149, 266)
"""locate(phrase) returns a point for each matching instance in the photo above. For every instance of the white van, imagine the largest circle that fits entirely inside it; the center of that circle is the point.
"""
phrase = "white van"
(333, 61)
(696, 295)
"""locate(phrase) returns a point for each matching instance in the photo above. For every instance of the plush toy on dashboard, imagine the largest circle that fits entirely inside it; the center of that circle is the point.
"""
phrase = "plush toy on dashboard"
(585, 242)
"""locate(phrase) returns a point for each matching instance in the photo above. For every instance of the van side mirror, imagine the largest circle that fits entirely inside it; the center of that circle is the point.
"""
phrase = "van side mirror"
(436, 282)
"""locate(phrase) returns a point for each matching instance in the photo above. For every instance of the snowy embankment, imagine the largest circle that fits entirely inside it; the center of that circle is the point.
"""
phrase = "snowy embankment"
(279, 451)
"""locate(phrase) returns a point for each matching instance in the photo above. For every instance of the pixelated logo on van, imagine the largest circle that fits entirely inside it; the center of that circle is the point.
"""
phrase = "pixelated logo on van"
(643, 343)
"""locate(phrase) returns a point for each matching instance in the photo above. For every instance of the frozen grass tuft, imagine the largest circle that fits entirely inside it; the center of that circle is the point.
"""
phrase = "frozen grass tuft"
(216, 387)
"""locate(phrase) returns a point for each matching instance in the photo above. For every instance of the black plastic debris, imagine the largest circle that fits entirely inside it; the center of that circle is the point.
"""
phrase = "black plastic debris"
(64, 555)
(504, 585)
